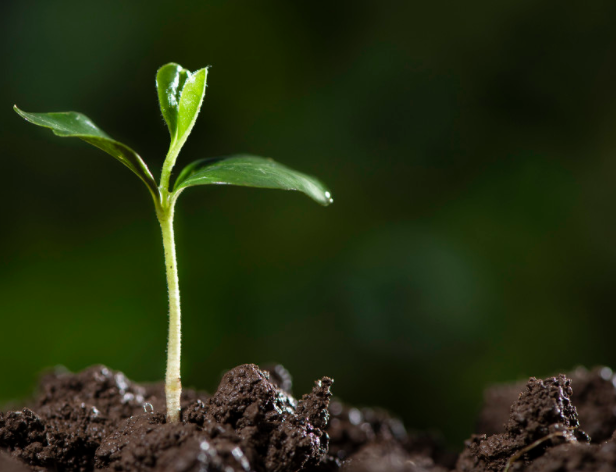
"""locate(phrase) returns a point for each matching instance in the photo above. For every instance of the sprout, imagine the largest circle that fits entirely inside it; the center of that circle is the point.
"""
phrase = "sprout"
(180, 93)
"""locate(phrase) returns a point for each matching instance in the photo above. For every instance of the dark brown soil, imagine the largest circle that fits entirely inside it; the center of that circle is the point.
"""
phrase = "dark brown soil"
(99, 420)
(594, 395)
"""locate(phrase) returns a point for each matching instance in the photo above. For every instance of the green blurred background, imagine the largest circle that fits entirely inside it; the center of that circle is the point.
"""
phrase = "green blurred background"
(470, 148)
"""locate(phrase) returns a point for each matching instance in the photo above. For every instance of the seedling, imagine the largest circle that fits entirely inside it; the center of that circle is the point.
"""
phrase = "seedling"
(180, 94)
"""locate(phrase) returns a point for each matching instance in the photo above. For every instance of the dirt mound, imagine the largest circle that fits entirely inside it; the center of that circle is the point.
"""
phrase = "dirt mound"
(99, 420)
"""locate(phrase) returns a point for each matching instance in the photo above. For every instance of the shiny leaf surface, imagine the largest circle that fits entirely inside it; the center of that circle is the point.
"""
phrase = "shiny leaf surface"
(180, 94)
(251, 171)
(170, 80)
(76, 125)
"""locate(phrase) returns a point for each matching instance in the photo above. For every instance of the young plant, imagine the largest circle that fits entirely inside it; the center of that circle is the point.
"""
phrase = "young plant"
(180, 93)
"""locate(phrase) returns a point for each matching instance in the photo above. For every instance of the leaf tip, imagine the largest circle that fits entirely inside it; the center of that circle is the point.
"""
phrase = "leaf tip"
(170, 64)
(20, 112)
(203, 71)
(323, 198)
(328, 198)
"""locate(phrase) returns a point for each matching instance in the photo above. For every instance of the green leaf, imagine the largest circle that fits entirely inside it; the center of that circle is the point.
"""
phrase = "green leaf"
(251, 171)
(77, 125)
(180, 94)
(170, 80)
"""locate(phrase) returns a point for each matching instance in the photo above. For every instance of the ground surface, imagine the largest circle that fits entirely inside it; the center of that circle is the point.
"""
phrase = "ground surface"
(100, 420)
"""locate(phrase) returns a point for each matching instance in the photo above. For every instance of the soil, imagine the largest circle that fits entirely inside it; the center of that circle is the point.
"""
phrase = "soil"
(99, 420)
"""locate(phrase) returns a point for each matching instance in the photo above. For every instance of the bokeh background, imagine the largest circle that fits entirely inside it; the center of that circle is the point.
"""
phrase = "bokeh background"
(470, 149)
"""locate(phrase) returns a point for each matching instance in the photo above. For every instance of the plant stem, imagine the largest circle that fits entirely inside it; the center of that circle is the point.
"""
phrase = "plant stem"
(172, 155)
(173, 383)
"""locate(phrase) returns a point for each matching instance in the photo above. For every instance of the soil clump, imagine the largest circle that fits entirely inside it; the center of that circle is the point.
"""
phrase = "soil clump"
(98, 420)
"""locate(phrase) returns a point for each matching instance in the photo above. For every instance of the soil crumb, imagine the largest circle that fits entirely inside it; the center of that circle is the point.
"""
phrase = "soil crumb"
(594, 396)
(543, 432)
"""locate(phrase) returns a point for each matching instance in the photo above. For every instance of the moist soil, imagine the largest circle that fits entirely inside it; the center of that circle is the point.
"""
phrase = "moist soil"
(99, 420)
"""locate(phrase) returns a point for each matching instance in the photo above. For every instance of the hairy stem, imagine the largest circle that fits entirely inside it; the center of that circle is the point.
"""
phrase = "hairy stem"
(172, 155)
(173, 383)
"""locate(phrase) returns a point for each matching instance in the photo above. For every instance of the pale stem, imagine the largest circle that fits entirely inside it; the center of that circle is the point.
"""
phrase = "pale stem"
(172, 155)
(173, 384)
